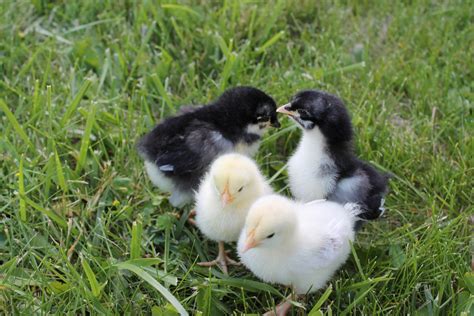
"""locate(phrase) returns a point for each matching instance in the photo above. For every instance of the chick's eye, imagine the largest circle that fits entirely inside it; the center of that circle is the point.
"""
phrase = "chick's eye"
(303, 112)
(271, 235)
(240, 190)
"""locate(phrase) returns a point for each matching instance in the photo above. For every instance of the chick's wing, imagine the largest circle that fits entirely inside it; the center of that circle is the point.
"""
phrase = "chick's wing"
(193, 149)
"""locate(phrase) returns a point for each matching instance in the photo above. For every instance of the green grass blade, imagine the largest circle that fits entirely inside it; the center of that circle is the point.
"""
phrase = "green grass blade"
(348, 68)
(36, 97)
(227, 71)
(315, 310)
(270, 42)
(49, 102)
(60, 173)
(21, 190)
(145, 262)
(222, 44)
(177, 29)
(167, 278)
(367, 282)
(249, 285)
(95, 286)
(162, 91)
(155, 284)
(135, 247)
(357, 261)
(349, 308)
(180, 7)
(86, 139)
(75, 102)
(13, 121)
(53, 216)
(278, 172)
(16, 91)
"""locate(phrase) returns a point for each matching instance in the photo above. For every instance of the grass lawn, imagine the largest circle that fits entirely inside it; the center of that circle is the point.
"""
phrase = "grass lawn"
(83, 231)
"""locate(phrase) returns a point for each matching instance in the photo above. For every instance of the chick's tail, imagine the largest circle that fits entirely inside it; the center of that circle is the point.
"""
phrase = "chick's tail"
(369, 211)
(374, 206)
(355, 209)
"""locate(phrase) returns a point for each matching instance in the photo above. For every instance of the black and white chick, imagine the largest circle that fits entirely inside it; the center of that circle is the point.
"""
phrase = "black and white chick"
(324, 165)
(179, 150)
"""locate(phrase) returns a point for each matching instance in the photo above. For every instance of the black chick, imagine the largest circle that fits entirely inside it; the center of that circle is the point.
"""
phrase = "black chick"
(179, 150)
(324, 165)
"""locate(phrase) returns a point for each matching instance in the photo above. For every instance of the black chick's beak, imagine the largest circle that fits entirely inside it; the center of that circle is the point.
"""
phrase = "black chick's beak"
(285, 110)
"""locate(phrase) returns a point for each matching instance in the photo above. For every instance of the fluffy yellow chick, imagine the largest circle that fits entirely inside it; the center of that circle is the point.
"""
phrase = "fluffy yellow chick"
(224, 197)
(295, 244)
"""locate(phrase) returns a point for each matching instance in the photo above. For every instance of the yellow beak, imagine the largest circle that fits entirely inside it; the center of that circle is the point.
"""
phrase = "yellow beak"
(250, 242)
(226, 196)
(283, 109)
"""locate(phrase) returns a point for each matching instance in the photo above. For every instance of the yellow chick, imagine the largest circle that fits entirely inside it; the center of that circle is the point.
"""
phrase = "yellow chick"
(295, 244)
(224, 197)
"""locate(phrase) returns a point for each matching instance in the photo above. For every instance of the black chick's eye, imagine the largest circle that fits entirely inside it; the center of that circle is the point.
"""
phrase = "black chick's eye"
(303, 112)
(241, 188)
(271, 235)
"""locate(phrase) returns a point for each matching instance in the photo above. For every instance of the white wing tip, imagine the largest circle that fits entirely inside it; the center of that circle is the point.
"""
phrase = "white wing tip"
(166, 168)
(382, 207)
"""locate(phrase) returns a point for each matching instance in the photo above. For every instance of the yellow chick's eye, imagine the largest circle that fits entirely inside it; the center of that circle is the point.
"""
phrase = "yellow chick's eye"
(240, 190)
(271, 235)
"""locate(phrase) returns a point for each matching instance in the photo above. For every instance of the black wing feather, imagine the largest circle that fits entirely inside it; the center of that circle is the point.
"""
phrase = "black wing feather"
(194, 151)
(183, 148)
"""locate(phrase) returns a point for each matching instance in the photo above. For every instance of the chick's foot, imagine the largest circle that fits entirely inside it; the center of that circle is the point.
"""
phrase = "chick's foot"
(281, 309)
(222, 260)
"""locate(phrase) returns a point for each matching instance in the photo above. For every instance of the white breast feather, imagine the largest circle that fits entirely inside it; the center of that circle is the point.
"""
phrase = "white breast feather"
(307, 183)
(252, 149)
(255, 129)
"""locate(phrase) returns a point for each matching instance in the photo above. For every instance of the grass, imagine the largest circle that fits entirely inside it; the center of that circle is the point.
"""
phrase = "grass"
(84, 232)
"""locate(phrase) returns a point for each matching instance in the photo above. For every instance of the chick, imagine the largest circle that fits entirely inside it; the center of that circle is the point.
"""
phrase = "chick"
(179, 150)
(324, 165)
(296, 244)
(224, 197)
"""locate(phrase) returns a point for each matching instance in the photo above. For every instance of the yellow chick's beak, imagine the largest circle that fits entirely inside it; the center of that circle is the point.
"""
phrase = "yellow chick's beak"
(250, 242)
(226, 197)
(283, 109)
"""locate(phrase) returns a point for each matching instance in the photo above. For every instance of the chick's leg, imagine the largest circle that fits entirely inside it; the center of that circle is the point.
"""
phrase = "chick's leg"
(191, 216)
(281, 309)
(222, 260)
